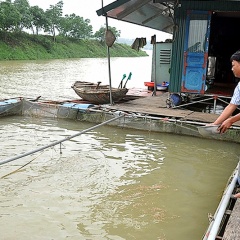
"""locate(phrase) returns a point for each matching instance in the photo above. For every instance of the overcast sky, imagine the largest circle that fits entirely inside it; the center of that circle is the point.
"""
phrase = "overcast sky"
(87, 9)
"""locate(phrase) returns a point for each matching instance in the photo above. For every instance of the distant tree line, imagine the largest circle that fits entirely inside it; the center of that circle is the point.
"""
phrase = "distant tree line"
(18, 16)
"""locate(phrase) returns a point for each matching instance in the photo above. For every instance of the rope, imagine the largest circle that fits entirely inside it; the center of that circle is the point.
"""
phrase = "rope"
(60, 141)
(20, 167)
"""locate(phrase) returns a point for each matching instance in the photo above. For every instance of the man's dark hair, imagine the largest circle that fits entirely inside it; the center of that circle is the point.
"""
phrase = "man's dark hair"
(235, 56)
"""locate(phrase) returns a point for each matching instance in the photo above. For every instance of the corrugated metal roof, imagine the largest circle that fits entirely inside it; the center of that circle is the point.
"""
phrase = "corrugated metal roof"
(156, 14)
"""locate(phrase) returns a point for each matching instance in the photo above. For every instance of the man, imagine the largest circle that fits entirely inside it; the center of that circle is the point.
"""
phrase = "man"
(236, 195)
(225, 120)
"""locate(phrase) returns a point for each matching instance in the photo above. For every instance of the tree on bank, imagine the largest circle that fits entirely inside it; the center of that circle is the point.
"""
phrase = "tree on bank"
(38, 20)
(75, 27)
(18, 15)
(23, 7)
(53, 19)
(10, 17)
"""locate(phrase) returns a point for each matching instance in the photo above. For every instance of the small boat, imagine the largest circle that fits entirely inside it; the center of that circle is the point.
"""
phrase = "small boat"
(97, 93)
(12, 106)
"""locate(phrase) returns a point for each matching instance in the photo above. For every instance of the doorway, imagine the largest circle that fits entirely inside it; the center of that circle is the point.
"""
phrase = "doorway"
(223, 42)
(195, 52)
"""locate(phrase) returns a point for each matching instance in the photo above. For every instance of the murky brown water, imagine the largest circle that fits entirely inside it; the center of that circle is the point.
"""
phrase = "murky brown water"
(109, 183)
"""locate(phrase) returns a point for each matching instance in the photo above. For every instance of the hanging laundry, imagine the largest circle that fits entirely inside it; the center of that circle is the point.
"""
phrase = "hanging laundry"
(139, 43)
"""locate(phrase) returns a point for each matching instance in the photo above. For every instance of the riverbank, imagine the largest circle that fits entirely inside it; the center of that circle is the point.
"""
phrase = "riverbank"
(23, 46)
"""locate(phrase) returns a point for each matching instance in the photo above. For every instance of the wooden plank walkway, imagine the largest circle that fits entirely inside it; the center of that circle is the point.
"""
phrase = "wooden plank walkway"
(232, 231)
(156, 105)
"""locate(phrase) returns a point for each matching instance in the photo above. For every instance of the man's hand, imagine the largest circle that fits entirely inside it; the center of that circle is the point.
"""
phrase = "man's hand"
(225, 125)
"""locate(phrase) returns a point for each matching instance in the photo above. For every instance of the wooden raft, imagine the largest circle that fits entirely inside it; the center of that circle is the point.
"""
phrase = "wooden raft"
(232, 231)
(156, 105)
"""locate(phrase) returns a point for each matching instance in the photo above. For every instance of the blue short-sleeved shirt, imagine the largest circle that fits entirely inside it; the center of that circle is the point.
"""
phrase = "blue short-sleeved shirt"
(236, 95)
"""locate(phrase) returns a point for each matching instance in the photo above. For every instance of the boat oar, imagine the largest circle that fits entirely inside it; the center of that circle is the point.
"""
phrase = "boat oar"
(120, 85)
(129, 78)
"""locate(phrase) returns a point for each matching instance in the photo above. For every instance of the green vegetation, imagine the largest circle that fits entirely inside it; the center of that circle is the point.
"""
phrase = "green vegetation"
(18, 16)
(23, 46)
(68, 36)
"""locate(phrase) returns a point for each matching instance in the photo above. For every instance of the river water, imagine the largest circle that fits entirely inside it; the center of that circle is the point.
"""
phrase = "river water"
(109, 183)
(53, 79)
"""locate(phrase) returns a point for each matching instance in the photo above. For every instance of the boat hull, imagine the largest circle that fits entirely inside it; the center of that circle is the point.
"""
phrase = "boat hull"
(96, 94)
(11, 106)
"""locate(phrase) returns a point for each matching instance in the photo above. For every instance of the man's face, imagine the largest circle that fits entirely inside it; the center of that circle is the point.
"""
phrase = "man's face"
(236, 68)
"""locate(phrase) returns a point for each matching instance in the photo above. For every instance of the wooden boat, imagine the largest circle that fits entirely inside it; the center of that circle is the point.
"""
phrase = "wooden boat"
(97, 93)
(219, 221)
(12, 106)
